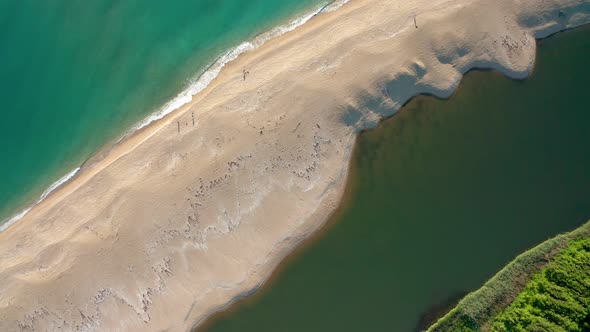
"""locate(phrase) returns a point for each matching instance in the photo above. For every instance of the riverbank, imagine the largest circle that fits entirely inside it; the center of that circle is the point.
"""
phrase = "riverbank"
(429, 192)
(479, 309)
(258, 293)
(184, 216)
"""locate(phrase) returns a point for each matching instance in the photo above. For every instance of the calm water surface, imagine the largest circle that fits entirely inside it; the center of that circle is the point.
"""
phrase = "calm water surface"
(445, 194)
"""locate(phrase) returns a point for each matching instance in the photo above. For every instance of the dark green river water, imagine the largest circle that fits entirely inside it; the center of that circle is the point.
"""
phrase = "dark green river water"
(444, 194)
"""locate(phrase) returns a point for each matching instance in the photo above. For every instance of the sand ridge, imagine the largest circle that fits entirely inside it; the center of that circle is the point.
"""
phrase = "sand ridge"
(184, 217)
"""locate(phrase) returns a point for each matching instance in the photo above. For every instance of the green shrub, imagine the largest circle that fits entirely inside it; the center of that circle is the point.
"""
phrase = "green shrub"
(556, 299)
(547, 288)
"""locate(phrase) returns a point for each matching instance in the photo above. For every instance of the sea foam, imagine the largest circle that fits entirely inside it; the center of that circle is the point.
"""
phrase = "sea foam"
(203, 80)
(6, 223)
(196, 85)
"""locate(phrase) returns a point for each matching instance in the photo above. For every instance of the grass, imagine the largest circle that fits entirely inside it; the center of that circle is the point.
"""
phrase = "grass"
(544, 289)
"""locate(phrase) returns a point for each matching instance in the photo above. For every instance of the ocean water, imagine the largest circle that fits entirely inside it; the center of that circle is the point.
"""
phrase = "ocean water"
(441, 197)
(75, 75)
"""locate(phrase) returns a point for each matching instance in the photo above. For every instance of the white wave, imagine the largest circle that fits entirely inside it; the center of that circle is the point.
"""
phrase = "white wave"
(332, 6)
(6, 223)
(197, 85)
(202, 81)
(57, 184)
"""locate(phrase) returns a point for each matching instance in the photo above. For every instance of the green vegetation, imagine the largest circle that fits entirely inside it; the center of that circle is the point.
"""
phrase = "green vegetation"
(544, 289)
(557, 299)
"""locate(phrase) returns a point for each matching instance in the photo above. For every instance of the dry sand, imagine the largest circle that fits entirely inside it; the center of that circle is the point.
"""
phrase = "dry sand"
(179, 220)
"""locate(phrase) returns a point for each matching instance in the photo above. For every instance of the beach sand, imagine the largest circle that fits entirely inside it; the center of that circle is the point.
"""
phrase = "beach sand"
(181, 219)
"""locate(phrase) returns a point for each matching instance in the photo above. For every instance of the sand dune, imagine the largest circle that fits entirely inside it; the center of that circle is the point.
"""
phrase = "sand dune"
(184, 216)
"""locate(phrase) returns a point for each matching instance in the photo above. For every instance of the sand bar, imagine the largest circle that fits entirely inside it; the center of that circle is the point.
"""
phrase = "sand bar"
(180, 219)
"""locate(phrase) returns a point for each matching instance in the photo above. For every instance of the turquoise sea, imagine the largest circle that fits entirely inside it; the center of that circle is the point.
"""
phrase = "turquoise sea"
(77, 74)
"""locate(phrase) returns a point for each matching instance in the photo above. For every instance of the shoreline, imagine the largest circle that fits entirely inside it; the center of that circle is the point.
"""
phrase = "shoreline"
(498, 291)
(203, 193)
(183, 98)
(438, 311)
(265, 284)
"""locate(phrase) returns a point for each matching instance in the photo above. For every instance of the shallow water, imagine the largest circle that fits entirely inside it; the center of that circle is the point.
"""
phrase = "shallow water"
(445, 194)
(77, 74)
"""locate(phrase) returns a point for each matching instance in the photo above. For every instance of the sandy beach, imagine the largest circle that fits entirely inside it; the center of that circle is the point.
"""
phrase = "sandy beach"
(192, 212)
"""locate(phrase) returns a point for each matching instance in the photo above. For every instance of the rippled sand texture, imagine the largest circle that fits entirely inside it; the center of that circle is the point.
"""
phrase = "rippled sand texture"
(196, 210)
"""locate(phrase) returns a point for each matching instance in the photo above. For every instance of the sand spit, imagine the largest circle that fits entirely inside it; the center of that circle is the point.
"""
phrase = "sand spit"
(198, 208)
